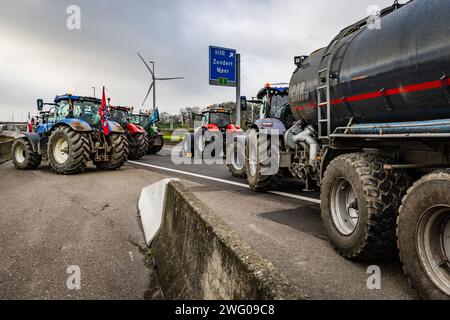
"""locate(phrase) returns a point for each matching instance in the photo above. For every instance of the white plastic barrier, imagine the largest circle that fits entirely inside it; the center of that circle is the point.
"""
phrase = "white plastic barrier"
(151, 208)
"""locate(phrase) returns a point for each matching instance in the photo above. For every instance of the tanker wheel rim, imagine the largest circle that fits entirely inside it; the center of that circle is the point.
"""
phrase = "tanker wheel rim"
(433, 242)
(61, 150)
(19, 154)
(344, 207)
(253, 156)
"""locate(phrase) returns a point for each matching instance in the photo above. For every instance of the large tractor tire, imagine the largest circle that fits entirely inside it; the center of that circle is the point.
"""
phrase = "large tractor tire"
(424, 235)
(359, 204)
(154, 149)
(254, 165)
(23, 156)
(118, 155)
(68, 151)
(237, 166)
(139, 147)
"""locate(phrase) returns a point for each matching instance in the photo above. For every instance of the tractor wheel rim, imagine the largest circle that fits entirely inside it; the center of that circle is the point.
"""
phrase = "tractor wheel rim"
(253, 155)
(238, 159)
(344, 206)
(201, 144)
(19, 154)
(61, 151)
(433, 243)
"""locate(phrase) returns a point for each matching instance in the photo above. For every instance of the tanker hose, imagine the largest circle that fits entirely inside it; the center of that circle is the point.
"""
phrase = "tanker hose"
(306, 137)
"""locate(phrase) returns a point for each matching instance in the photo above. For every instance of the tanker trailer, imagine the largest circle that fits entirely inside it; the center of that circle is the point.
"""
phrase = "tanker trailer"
(372, 113)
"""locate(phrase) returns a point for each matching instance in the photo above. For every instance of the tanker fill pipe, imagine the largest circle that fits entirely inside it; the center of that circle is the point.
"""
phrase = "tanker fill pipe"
(306, 137)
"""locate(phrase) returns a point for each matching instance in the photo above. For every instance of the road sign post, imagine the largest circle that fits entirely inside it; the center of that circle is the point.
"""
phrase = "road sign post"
(224, 71)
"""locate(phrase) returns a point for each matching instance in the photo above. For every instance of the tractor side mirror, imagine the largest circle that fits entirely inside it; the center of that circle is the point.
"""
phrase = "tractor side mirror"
(244, 103)
(40, 104)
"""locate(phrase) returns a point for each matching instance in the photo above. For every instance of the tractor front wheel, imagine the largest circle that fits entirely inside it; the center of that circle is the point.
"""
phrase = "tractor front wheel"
(118, 155)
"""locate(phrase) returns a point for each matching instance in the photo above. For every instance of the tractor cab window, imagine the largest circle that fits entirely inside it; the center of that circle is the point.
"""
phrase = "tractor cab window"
(87, 111)
(278, 102)
(220, 119)
(119, 116)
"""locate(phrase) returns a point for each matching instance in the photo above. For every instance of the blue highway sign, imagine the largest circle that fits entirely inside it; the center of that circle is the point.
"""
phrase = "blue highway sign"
(222, 67)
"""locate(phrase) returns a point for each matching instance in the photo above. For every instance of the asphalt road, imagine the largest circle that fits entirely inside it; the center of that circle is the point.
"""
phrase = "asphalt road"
(286, 228)
(50, 224)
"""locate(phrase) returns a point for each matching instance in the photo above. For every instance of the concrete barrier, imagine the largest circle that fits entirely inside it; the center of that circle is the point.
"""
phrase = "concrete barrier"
(5, 150)
(199, 257)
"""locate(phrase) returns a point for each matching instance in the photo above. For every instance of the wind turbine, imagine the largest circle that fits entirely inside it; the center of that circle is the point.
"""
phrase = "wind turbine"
(154, 79)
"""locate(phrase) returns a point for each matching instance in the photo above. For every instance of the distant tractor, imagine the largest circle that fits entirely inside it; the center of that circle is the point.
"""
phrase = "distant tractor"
(136, 135)
(154, 137)
(216, 121)
(70, 136)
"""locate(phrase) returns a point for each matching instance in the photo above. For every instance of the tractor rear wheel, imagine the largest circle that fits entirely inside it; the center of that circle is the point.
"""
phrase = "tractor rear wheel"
(68, 151)
(424, 235)
(118, 155)
(359, 203)
(139, 146)
(255, 166)
(23, 155)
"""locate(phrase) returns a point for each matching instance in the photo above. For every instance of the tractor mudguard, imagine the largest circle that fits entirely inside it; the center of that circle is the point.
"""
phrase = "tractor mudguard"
(76, 124)
(271, 126)
(34, 139)
(134, 128)
(114, 127)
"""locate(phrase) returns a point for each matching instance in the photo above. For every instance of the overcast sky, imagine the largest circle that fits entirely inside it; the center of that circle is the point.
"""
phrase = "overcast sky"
(40, 57)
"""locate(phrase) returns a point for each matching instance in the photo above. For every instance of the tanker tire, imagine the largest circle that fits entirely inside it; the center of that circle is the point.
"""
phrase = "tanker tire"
(119, 154)
(23, 156)
(425, 194)
(378, 196)
(139, 149)
(256, 180)
(78, 147)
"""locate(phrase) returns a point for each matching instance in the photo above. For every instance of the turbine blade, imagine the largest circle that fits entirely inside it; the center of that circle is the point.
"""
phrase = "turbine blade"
(148, 93)
(164, 79)
(148, 67)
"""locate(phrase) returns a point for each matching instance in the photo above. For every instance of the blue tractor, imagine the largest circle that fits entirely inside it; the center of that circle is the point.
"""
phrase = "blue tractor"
(69, 135)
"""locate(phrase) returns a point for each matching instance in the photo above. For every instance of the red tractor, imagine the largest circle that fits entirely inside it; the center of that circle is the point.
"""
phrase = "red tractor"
(136, 134)
(216, 121)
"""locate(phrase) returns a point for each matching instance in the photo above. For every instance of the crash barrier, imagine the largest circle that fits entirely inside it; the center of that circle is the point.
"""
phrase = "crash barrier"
(200, 257)
(5, 150)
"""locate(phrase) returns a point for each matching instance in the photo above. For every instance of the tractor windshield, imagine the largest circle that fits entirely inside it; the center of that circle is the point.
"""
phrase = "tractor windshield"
(141, 120)
(220, 119)
(119, 116)
(87, 111)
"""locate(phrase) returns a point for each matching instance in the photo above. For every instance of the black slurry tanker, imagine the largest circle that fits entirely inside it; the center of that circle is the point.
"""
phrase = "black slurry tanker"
(372, 129)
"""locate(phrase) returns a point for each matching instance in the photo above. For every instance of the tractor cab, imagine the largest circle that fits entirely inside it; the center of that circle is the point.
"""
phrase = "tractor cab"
(275, 104)
(121, 115)
(217, 119)
(75, 107)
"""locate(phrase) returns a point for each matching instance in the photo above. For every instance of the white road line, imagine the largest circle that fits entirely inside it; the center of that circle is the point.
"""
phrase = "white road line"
(242, 185)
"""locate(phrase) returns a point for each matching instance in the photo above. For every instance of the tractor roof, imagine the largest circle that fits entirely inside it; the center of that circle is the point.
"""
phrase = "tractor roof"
(121, 108)
(217, 110)
(273, 91)
(76, 98)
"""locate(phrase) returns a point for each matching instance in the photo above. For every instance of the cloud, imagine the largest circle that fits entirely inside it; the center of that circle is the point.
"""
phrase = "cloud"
(40, 57)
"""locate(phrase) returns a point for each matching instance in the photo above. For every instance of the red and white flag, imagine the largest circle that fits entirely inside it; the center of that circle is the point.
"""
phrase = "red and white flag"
(104, 115)
(29, 124)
